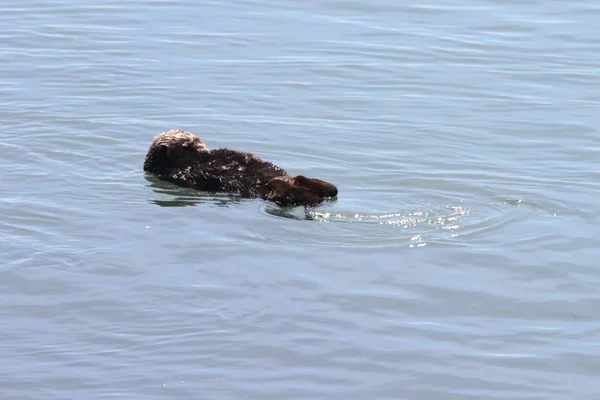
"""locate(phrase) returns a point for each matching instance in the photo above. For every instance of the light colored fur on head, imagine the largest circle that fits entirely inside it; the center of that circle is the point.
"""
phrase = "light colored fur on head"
(179, 137)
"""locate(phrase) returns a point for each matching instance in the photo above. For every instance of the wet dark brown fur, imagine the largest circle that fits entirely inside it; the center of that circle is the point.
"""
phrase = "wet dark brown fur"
(182, 158)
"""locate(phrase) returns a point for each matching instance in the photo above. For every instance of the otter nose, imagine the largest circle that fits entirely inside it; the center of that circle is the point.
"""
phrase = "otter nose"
(332, 191)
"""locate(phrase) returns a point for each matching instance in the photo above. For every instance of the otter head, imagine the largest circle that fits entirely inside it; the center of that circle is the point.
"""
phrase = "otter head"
(299, 191)
(174, 149)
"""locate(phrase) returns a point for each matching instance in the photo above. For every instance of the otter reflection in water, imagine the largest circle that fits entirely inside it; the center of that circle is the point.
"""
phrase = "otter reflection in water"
(182, 158)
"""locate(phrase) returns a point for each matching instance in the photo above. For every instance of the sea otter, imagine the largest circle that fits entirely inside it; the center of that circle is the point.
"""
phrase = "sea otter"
(182, 158)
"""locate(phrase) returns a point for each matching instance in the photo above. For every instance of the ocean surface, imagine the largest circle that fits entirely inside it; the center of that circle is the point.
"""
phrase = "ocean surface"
(461, 259)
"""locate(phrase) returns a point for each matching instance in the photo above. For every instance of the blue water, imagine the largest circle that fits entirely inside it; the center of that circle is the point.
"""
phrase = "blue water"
(458, 262)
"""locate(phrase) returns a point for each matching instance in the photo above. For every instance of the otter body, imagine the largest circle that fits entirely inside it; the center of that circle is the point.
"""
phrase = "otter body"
(182, 158)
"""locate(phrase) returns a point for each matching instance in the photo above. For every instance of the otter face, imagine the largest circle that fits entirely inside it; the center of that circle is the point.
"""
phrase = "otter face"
(299, 191)
(174, 149)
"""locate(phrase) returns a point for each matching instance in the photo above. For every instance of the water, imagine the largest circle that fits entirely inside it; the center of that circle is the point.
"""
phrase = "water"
(459, 261)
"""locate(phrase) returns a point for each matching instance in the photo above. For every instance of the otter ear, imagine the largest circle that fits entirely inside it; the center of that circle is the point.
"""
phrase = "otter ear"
(302, 180)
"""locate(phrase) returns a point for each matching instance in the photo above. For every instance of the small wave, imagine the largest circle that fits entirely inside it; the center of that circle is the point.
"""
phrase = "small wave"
(445, 217)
